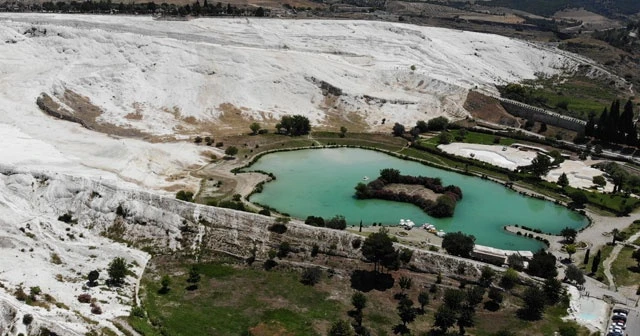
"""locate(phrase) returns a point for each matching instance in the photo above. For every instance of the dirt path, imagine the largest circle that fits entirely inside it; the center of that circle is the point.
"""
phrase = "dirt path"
(612, 257)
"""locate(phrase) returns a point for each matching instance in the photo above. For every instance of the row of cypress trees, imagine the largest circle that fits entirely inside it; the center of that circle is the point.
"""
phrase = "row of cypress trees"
(614, 127)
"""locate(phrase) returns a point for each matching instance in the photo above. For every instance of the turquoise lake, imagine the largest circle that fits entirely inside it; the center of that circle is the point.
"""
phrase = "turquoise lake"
(321, 182)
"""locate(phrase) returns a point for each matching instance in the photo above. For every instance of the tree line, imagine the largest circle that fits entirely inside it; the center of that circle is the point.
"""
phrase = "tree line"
(444, 205)
(613, 126)
(130, 8)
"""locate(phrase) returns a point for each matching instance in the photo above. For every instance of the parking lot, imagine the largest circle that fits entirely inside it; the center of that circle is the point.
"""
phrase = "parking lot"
(623, 322)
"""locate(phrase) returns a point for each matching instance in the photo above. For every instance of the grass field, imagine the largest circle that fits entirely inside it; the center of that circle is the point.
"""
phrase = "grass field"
(625, 269)
(470, 137)
(233, 299)
(606, 251)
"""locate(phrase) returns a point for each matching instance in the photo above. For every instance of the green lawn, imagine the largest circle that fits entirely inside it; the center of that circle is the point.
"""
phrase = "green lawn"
(625, 269)
(230, 301)
(471, 137)
(631, 229)
(606, 251)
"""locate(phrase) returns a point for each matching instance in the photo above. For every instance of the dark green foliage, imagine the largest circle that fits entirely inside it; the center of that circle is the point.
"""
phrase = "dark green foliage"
(504, 333)
(311, 276)
(255, 127)
(516, 262)
(458, 243)
(165, 282)
(314, 250)
(340, 328)
(569, 235)
(486, 276)
(269, 264)
(93, 276)
(438, 124)
(359, 301)
(423, 300)
(636, 256)
(117, 271)
(573, 273)
(509, 279)
(445, 318)
(568, 330)
(278, 228)
(405, 255)
(366, 281)
(294, 125)
(543, 265)
(398, 129)
(66, 218)
(406, 311)
(356, 243)
(563, 180)
(444, 138)
(337, 222)
(540, 165)
(596, 263)
(27, 319)
(185, 195)
(315, 221)
(194, 277)
(586, 257)
(405, 283)
(552, 289)
(265, 212)
(534, 301)
(578, 199)
(465, 319)
(422, 126)
(231, 151)
(474, 296)
(283, 250)
(496, 295)
(453, 298)
(378, 248)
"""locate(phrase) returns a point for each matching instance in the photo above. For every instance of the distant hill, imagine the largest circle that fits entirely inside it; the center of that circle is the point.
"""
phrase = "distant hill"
(609, 8)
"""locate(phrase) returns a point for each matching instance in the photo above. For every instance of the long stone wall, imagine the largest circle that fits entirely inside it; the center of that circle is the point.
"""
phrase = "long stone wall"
(526, 111)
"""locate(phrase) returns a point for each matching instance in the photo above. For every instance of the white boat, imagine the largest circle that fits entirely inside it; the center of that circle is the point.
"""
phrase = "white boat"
(366, 178)
(440, 233)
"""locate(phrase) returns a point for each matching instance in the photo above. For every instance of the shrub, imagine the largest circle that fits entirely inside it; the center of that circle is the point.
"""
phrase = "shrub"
(356, 243)
(27, 319)
(311, 276)
(283, 250)
(278, 228)
(84, 298)
(65, 218)
(96, 310)
(117, 270)
(314, 250)
(137, 311)
(20, 294)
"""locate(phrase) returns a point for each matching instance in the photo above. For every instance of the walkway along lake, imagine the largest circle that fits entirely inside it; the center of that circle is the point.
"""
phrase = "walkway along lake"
(321, 182)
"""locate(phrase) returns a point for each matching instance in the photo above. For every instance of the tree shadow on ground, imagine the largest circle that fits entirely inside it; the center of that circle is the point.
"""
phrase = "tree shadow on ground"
(366, 281)
(491, 306)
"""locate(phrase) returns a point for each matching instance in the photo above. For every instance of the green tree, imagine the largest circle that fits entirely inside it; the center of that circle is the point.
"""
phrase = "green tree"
(579, 198)
(496, 295)
(570, 249)
(486, 276)
(406, 311)
(453, 298)
(398, 129)
(343, 131)
(117, 271)
(340, 328)
(358, 300)
(458, 244)
(404, 283)
(165, 282)
(599, 180)
(516, 262)
(540, 165)
(596, 263)
(93, 276)
(378, 248)
(568, 330)
(586, 257)
(405, 255)
(474, 295)
(294, 125)
(552, 289)
(636, 256)
(445, 318)
(255, 127)
(533, 304)
(194, 277)
(422, 126)
(573, 273)
(438, 124)
(569, 234)
(337, 223)
(509, 279)
(423, 300)
(465, 319)
(616, 236)
(231, 151)
(543, 265)
(444, 138)
(563, 180)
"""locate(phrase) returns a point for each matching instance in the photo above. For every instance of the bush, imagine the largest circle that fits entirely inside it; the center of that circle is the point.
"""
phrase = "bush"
(96, 310)
(278, 228)
(84, 298)
(458, 244)
(231, 151)
(283, 250)
(356, 243)
(117, 270)
(311, 276)
(184, 195)
(27, 319)
(314, 250)
(265, 212)
(137, 311)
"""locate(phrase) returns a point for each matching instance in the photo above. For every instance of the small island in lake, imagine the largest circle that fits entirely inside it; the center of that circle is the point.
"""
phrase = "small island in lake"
(425, 192)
